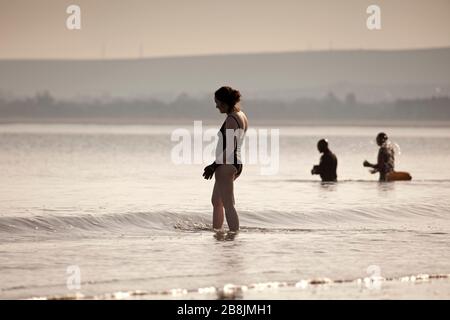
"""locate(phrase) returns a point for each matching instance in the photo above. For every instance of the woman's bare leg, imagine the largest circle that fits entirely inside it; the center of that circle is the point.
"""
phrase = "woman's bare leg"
(217, 207)
(224, 178)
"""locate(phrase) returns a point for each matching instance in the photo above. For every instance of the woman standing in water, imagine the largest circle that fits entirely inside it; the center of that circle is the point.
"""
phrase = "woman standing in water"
(228, 164)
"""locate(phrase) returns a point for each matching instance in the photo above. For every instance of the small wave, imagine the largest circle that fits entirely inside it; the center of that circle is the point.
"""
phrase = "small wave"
(136, 223)
(119, 223)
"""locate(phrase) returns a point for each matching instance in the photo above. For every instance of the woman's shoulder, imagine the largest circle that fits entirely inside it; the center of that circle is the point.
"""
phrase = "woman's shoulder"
(236, 119)
(232, 120)
(243, 118)
(239, 114)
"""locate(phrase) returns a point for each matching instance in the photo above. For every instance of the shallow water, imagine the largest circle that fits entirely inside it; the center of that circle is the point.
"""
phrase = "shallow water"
(109, 200)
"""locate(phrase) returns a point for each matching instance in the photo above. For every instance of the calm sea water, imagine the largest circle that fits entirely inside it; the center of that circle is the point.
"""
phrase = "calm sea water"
(109, 201)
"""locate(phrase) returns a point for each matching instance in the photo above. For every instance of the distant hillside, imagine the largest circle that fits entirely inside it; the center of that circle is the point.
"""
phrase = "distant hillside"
(371, 75)
(44, 108)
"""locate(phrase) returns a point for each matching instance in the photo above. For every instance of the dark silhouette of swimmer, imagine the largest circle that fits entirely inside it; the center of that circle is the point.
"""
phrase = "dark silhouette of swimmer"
(328, 162)
(386, 157)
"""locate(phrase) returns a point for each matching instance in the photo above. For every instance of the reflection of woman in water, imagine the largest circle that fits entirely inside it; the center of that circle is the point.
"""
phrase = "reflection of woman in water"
(228, 164)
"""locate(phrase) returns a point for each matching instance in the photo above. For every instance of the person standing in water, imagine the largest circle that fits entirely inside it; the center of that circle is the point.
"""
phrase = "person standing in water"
(328, 163)
(386, 157)
(228, 164)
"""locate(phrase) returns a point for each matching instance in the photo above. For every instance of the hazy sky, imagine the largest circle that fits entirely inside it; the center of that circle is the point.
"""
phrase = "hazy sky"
(133, 28)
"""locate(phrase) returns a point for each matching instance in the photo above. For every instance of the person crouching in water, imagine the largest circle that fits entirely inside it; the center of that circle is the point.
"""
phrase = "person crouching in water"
(386, 157)
(328, 163)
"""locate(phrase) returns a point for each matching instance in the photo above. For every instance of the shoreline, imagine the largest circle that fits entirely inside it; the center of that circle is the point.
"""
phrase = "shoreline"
(421, 286)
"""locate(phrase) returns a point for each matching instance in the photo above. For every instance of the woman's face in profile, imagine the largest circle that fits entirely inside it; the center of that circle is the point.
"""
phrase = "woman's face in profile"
(221, 106)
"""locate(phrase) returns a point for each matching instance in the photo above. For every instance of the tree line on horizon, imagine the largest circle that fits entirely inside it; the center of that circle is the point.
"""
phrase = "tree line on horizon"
(330, 108)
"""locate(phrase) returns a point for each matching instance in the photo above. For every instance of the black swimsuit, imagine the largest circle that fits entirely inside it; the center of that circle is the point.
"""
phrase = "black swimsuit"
(236, 161)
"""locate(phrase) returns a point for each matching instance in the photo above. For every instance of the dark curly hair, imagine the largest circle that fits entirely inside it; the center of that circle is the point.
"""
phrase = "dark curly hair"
(230, 96)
